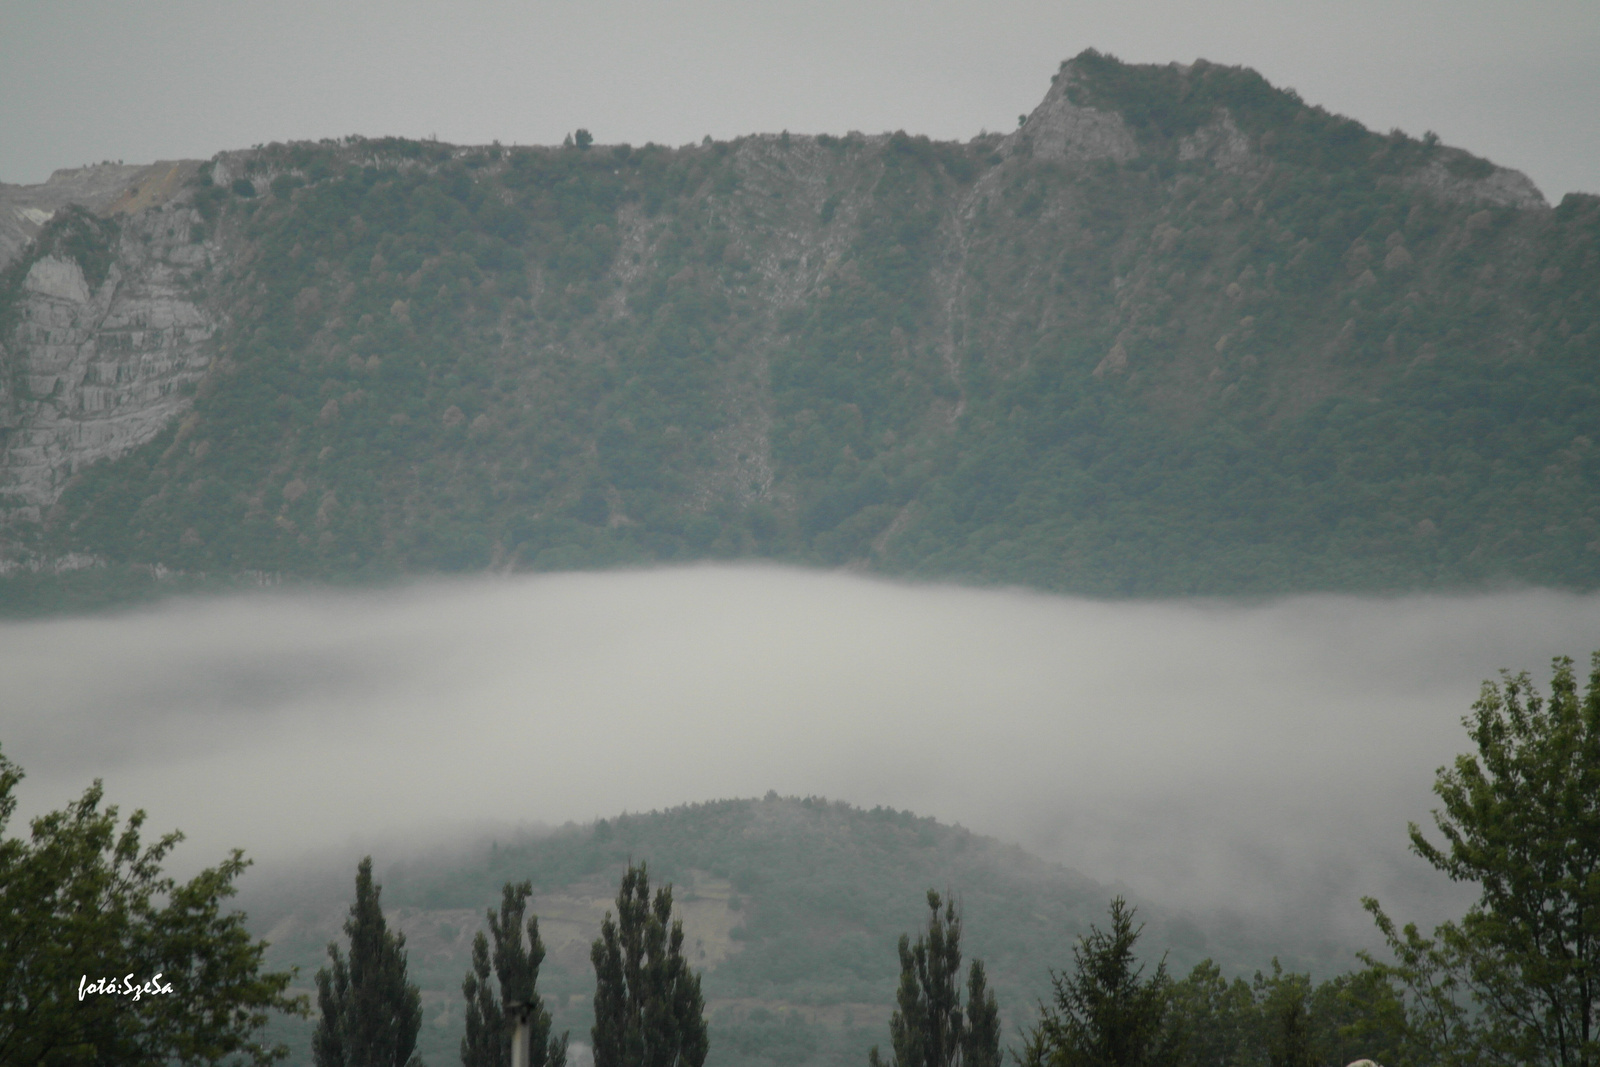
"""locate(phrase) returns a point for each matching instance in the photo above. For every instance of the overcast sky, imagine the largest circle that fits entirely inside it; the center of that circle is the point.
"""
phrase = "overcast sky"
(91, 79)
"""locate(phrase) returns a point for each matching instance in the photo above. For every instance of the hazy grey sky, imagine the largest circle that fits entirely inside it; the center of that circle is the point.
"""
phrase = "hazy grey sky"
(96, 79)
(1203, 754)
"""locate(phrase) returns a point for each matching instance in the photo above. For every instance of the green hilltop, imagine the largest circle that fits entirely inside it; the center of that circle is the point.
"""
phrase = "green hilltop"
(1180, 333)
(792, 911)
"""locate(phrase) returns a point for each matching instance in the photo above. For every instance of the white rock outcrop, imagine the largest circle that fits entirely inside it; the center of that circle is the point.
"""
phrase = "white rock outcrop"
(61, 279)
(1219, 142)
(1058, 129)
(1503, 187)
(93, 371)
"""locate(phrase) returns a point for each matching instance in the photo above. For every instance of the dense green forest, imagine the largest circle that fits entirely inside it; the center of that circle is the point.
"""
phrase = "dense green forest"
(1252, 347)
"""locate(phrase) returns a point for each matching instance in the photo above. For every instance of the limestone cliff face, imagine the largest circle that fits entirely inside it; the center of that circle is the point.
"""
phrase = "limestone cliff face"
(95, 369)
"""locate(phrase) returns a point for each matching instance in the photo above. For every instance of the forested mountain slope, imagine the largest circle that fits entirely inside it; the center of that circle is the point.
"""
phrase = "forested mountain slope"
(1179, 333)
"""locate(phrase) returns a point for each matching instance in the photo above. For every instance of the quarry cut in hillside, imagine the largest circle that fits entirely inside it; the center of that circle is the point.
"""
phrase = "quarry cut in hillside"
(1180, 332)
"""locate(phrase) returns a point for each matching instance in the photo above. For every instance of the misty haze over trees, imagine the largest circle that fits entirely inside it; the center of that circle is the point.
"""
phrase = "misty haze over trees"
(1514, 981)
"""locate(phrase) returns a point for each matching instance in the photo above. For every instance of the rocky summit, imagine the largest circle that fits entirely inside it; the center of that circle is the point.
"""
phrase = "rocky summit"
(1179, 333)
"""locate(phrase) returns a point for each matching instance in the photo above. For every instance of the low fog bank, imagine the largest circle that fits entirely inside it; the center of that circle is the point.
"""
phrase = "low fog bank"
(1262, 759)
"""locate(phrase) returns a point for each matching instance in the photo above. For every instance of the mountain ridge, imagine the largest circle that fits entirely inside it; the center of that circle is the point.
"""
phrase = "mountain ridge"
(1179, 332)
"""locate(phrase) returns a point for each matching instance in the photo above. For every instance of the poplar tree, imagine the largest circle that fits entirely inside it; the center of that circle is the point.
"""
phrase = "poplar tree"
(930, 1028)
(648, 1011)
(370, 1013)
(487, 1041)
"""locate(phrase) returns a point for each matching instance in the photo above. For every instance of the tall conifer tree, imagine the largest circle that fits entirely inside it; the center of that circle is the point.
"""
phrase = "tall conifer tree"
(1106, 1013)
(648, 1011)
(370, 1013)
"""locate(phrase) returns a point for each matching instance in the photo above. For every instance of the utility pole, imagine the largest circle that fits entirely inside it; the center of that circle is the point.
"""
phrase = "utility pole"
(520, 1011)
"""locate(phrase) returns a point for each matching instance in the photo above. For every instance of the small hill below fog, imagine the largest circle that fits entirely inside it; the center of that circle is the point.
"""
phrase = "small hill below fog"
(792, 910)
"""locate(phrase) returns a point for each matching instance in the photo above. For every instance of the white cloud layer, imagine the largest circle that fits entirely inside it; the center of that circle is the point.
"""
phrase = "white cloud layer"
(1263, 758)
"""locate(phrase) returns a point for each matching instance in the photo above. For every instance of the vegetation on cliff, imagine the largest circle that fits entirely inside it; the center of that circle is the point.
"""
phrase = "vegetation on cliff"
(1235, 345)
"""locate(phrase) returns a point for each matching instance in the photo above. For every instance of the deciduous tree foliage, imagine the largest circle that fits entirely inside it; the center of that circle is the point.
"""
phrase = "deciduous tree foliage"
(370, 1012)
(1106, 1013)
(1282, 1018)
(487, 1041)
(648, 1011)
(82, 900)
(1521, 819)
(930, 1028)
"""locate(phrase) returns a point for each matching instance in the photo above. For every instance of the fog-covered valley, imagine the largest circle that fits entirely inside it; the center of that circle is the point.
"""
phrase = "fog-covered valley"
(714, 444)
(1258, 758)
